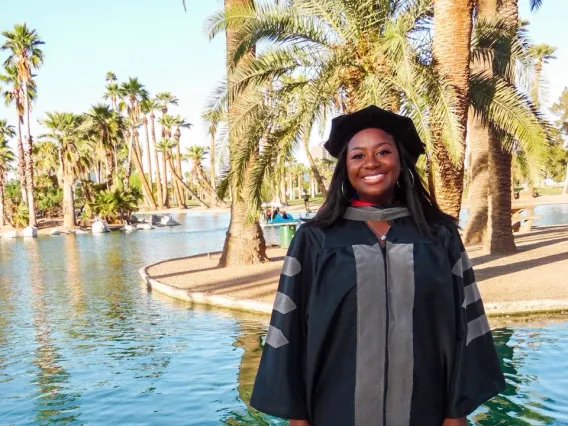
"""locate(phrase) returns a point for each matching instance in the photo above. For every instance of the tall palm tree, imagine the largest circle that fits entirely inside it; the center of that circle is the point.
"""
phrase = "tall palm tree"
(106, 126)
(164, 100)
(196, 154)
(347, 56)
(13, 95)
(499, 237)
(152, 105)
(167, 123)
(133, 93)
(179, 124)
(110, 77)
(6, 157)
(65, 130)
(166, 146)
(145, 108)
(25, 55)
(113, 94)
(479, 134)
(451, 51)
(542, 54)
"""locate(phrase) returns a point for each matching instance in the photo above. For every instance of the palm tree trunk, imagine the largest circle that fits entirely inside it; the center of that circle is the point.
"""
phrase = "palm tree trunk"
(204, 183)
(499, 237)
(451, 49)
(109, 168)
(146, 189)
(283, 196)
(2, 223)
(565, 189)
(164, 181)
(212, 162)
(179, 190)
(290, 186)
(479, 135)
(129, 159)
(21, 163)
(68, 202)
(183, 184)
(29, 161)
(148, 157)
(156, 163)
(315, 171)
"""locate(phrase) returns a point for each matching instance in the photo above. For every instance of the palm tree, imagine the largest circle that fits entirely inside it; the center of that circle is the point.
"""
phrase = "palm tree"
(113, 94)
(13, 95)
(25, 55)
(196, 153)
(6, 157)
(46, 160)
(134, 93)
(179, 124)
(542, 54)
(499, 238)
(68, 135)
(106, 125)
(347, 57)
(145, 108)
(164, 99)
(166, 146)
(167, 122)
(152, 105)
(110, 77)
(451, 51)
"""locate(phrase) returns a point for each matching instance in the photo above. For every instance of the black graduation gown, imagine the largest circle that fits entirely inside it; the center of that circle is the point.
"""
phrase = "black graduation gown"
(367, 336)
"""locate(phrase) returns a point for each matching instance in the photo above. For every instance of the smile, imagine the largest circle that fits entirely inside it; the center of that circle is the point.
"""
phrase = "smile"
(374, 178)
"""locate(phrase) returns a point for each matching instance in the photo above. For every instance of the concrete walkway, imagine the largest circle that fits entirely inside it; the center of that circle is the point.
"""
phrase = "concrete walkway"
(535, 279)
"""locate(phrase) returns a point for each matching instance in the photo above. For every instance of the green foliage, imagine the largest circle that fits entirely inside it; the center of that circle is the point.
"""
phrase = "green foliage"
(49, 202)
(113, 205)
(20, 217)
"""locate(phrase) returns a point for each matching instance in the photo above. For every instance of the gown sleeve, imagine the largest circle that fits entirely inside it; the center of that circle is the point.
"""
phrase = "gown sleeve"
(477, 375)
(280, 388)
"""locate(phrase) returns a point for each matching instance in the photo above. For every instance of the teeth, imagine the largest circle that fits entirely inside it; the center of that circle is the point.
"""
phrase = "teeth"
(373, 177)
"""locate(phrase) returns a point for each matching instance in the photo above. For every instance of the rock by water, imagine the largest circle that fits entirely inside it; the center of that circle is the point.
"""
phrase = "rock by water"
(30, 231)
(99, 227)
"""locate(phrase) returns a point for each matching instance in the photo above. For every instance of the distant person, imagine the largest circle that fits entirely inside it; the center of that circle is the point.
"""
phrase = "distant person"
(306, 201)
(378, 319)
(284, 215)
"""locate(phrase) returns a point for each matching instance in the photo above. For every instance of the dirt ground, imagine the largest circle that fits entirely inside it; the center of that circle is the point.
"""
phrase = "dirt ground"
(538, 271)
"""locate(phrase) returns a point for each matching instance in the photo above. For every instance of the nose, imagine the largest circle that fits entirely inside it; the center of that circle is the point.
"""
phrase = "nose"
(372, 161)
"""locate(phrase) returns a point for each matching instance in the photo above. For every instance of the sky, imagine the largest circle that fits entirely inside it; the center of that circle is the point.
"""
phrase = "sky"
(168, 50)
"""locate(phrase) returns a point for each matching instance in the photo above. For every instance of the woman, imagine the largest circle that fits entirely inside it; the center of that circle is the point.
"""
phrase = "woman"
(377, 319)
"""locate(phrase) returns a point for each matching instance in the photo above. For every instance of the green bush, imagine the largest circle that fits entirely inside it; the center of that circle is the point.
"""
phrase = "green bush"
(113, 205)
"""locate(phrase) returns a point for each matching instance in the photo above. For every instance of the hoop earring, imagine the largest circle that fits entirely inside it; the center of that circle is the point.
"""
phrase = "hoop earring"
(411, 175)
(343, 192)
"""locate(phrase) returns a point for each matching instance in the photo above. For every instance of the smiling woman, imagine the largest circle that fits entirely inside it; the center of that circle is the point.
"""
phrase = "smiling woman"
(378, 319)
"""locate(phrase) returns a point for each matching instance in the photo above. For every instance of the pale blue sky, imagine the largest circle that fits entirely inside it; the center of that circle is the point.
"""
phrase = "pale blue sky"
(169, 51)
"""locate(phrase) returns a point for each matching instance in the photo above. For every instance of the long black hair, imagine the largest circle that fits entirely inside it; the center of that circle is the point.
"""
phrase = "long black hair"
(409, 191)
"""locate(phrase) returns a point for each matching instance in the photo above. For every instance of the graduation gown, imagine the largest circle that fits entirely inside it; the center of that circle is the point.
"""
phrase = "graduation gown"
(363, 335)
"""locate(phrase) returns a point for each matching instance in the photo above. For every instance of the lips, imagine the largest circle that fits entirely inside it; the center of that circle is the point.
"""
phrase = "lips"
(379, 177)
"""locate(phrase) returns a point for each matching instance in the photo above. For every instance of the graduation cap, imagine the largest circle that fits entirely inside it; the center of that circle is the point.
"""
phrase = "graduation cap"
(344, 127)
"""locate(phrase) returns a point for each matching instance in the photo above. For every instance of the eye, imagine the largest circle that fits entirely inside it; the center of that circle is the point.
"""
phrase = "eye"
(357, 156)
(383, 152)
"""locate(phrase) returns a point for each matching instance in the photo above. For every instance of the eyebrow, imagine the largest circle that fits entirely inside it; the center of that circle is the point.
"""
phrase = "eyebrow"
(375, 147)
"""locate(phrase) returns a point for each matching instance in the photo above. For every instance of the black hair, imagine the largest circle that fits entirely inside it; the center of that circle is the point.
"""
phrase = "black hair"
(422, 206)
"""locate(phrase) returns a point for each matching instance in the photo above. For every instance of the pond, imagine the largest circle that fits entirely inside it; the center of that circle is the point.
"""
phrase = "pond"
(83, 342)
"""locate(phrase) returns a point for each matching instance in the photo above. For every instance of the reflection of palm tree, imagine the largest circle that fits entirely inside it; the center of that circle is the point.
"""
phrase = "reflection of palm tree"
(249, 340)
(503, 409)
(54, 398)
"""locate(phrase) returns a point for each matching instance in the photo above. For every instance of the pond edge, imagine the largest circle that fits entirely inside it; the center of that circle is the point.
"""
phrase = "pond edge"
(492, 309)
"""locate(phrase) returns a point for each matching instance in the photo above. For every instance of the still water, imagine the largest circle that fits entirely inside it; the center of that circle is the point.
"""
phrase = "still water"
(83, 342)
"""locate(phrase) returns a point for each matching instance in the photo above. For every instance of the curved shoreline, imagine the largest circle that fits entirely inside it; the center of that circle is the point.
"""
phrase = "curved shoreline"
(493, 309)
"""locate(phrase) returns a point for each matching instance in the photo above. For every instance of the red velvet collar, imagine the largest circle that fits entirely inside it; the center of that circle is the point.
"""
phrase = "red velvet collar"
(359, 203)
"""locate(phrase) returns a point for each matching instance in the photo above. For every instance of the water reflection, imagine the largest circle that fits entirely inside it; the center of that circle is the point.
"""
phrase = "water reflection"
(82, 341)
(53, 401)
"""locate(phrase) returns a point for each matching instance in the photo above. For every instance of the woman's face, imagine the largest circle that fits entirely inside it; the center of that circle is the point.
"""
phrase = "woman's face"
(373, 165)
